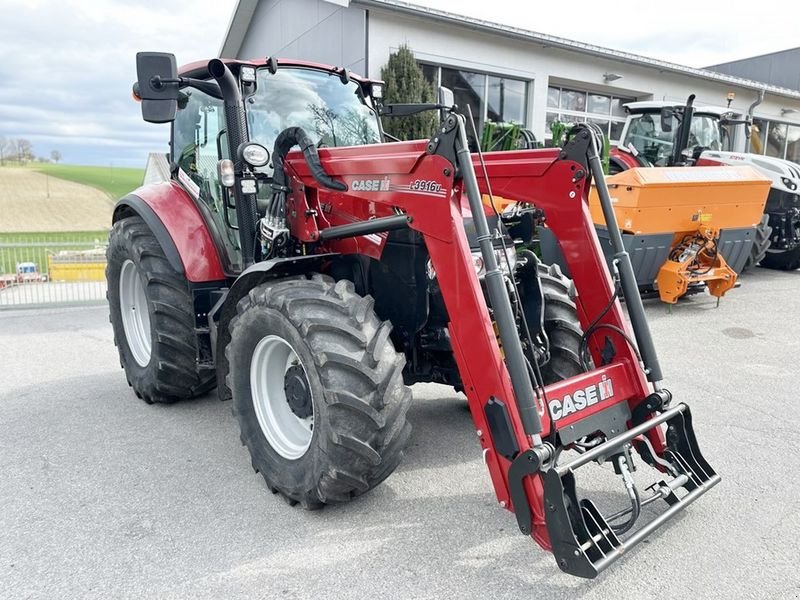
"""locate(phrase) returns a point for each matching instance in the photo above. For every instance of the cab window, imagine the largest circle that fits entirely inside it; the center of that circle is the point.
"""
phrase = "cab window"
(198, 143)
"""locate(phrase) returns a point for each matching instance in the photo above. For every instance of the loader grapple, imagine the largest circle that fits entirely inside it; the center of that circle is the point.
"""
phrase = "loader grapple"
(584, 542)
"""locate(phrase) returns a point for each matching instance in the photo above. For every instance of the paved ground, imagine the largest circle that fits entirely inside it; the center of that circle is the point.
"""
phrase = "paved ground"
(102, 496)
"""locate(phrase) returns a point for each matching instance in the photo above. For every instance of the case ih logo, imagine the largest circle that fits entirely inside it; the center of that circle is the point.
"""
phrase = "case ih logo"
(370, 185)
(588, 396)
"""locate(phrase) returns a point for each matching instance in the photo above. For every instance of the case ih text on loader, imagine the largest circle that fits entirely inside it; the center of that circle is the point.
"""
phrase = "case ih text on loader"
(312, 303)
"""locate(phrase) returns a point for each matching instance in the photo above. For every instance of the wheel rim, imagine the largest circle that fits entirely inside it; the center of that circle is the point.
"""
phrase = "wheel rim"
(135, 315)
(273, 364)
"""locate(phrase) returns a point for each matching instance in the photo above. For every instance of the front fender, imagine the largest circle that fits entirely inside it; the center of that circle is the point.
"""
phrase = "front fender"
(178, 226)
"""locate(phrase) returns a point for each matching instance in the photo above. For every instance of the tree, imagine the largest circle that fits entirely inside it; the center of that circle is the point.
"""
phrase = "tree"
(3, 146)
(23, 150)
(405, 83)
(55, 155)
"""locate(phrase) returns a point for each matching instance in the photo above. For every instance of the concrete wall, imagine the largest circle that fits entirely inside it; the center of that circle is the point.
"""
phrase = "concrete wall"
(310, 30)
(457, 46)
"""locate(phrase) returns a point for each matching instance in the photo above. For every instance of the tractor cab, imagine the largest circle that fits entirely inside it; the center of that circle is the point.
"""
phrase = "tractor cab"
(652, 129)
(335, 107)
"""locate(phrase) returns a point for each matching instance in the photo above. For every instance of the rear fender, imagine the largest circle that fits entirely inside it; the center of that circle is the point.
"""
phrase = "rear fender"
(624, 160)
(178, 226)
(224, 310)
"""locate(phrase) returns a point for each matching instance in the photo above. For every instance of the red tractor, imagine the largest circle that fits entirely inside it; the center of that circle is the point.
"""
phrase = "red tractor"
(312, 286)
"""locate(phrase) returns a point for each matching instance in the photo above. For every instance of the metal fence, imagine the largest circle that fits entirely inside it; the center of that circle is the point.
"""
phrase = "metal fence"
(42, 269)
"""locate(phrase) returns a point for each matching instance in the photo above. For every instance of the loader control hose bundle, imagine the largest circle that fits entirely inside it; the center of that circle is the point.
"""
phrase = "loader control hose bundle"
(273, 228)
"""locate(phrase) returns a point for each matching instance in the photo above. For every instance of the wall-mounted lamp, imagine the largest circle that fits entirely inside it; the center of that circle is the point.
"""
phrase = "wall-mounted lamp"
(787, 111)
(609, 77)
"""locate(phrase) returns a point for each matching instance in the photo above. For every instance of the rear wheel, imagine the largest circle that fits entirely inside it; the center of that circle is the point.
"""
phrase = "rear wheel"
(761, 242)
(317, 389)
(783, 260)
(152, 315)
(561, 324)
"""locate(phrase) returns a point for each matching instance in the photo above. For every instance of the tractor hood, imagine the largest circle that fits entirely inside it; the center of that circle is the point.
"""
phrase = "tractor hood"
(785, 175)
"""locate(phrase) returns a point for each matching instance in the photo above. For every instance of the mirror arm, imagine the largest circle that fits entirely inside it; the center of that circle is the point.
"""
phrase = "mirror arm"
(207, 87)
(405, 110)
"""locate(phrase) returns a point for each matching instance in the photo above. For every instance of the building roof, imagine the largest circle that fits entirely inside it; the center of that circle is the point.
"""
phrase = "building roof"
(781, 68)
(243, 12)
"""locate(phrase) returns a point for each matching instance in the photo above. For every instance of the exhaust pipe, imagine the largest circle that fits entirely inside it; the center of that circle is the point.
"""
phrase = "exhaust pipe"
(236, 125)
(682, 139)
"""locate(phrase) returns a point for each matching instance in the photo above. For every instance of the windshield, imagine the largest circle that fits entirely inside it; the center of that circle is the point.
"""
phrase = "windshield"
(651, 142)
(331, 112)
(705, 133)
(655, 144)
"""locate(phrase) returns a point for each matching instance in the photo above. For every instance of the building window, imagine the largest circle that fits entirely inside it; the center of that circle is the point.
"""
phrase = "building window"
(776, 140)
(576, 106)
(490, 97)
(772, 138)
(506, 100)
(793, 144)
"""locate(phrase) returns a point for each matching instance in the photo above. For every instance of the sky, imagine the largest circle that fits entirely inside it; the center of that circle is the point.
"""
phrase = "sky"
(68, 65)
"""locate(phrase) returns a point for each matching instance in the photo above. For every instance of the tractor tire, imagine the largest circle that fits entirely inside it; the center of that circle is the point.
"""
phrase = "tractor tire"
(782, 260)
(317, 390)
(761, 242)
(561, 324)
(152, 315)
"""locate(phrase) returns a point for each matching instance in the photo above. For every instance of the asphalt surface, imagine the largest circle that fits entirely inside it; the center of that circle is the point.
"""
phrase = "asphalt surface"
(102, 496)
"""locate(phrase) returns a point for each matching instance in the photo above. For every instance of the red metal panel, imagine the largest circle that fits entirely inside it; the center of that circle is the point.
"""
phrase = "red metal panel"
(186, 227)
(422, 186)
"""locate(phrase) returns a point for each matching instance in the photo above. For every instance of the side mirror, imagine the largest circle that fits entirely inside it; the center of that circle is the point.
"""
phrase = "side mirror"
(446, 97)
(666, 119)
(157, 74)
(446, 100)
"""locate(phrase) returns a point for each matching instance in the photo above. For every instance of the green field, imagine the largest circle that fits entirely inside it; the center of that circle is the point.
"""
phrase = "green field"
(35, 247)
(115, 181)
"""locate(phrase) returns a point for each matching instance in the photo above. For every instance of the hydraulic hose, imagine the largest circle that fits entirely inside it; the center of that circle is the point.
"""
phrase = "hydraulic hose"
(296, 136)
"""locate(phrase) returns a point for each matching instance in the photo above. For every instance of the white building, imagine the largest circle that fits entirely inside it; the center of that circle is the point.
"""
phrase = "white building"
(502, 72)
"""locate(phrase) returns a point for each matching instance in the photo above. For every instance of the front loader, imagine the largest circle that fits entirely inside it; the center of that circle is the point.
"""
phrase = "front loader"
(358, 267)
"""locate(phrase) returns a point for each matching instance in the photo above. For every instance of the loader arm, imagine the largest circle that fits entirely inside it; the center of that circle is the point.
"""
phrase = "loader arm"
(424, 183)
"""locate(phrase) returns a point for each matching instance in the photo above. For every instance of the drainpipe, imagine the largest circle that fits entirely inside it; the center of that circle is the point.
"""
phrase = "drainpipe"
(748, 131)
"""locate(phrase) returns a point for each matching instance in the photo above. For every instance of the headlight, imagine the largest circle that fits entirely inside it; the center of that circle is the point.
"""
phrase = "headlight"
(255, 155)
(227, 177)
(480, 268)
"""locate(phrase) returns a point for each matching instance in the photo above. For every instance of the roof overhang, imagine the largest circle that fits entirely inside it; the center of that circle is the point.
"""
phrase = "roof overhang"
(244, 10)
(237, 28)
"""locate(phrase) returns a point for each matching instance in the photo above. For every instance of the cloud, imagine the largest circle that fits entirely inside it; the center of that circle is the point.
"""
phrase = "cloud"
(68, 67)
(700, 35)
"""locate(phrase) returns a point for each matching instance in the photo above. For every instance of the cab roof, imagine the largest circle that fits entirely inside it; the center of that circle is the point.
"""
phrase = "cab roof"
(653, 105)
(199, 69)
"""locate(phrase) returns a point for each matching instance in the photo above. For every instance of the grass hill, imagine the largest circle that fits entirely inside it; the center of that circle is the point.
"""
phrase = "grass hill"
(115, 181)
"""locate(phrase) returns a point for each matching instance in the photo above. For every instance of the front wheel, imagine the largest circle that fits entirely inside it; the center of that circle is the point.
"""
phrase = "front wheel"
(761, 243)
(317, 389)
